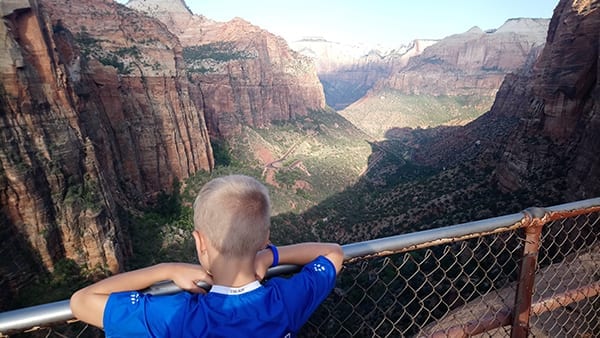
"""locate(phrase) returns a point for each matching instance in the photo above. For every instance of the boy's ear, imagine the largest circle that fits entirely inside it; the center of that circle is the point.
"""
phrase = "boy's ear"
(199, 241)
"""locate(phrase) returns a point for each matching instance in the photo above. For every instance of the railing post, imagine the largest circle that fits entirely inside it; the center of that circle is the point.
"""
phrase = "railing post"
(522, 308)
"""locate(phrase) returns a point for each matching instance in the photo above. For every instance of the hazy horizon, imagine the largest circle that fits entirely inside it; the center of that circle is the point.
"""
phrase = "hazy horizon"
(377, 22)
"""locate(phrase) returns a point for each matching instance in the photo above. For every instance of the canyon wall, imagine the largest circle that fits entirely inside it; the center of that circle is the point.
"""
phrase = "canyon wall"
(451, 82)
(541, 133)
(471, 63)
(243, 75)
(559, 136)
(94, 119)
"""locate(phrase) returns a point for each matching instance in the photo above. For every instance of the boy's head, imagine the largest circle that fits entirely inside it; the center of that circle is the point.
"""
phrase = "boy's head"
(234, 213)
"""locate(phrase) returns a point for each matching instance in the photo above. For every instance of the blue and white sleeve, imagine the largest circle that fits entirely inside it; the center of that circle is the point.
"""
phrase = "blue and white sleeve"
(308, 289)
(133, 314)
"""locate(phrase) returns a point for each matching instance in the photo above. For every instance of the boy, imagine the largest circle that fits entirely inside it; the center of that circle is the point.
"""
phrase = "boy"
(231, 230)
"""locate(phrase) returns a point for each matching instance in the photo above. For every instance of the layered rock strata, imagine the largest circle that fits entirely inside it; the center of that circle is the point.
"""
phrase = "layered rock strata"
(348, 72)
(450, 83)
(243, 75)
(559, 138)
(471, 63)
(94, 118)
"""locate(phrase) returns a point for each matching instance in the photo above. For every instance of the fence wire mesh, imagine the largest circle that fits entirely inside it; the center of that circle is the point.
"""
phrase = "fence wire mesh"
(456, 289)
(568, 271)
(408, 294)
(470, 286)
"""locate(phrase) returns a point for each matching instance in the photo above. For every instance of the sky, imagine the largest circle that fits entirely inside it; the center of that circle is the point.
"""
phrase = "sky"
(386, 22)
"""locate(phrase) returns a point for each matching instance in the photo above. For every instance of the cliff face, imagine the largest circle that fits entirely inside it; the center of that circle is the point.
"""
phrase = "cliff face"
(243, 75)
(471, 63)
(541, 133)
(566, 120)
(93, 117)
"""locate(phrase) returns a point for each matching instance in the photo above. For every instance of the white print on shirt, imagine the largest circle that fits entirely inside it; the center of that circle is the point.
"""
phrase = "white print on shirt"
(134, 297)
(318, 267)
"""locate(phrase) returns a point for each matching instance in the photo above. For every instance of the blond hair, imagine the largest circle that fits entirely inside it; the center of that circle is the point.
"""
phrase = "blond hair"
(233, 212)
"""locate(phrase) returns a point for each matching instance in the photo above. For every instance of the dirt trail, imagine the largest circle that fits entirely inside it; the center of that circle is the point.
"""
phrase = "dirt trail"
(271, 167)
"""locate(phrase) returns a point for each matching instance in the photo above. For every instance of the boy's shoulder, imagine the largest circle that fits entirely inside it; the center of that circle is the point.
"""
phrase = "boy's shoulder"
(129, 313)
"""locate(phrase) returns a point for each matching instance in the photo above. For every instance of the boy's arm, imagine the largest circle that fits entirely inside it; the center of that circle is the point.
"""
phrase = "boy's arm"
(300, 254)
(88, 303)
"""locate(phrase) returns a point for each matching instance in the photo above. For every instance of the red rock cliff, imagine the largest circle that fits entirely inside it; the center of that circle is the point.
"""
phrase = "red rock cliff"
(244, 75)
(93, 117)
(560, 137)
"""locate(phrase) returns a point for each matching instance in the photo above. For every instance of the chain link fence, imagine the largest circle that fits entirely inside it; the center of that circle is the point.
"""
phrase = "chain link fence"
(464, 284)
(468, 287)
(400, 295)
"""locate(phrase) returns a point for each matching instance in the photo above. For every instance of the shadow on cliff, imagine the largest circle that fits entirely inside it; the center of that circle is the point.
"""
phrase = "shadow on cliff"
(400, 161)
(20, 266)
(416, 179)
(15, 255)
(162, 232)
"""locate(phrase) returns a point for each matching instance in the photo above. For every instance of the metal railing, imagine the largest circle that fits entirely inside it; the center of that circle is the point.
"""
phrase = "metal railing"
(534, 273)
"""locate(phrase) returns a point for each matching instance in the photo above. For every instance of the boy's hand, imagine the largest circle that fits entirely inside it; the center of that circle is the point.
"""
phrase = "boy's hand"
(186, 276)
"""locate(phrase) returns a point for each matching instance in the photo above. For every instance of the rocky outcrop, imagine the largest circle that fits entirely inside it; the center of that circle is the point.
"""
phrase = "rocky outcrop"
(243, 75)
(93, 119)
(348, 72)
(178, 16)
(559, 138)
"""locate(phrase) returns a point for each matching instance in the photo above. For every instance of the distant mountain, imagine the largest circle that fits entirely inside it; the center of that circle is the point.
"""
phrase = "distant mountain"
(471, 63)
(451, 82)
(330, 56)
(348, 72)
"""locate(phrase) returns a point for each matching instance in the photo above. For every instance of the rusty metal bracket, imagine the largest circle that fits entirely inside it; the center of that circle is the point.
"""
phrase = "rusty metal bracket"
(535, 218)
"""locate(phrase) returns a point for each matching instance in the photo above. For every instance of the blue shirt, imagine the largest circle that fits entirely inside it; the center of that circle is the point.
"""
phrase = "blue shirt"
(278, 308)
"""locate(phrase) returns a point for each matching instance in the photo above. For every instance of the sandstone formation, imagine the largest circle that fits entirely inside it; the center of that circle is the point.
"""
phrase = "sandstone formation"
(348, 72)
(471, 63)
(94, 119)
(564, 113)
(243, 75)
